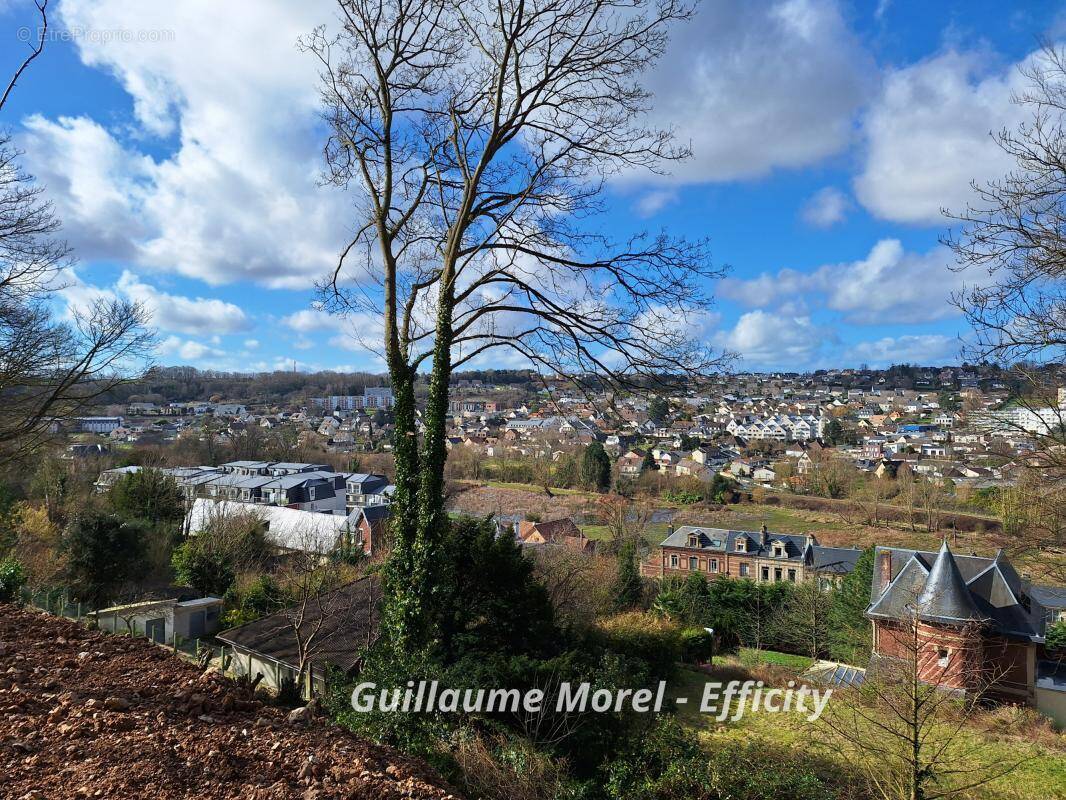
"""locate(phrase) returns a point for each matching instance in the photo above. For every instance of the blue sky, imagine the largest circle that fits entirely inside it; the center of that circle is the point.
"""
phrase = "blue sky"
(180, 145)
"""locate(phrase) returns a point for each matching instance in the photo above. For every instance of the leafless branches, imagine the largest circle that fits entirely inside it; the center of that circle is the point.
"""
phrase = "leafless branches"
(48, 369)
(1016, 232)
(480, 136)
(35, 50)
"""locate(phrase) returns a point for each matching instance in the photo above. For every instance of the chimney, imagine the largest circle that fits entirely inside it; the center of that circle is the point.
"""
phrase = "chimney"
(670, 530)
(885, 567)
(765, 539)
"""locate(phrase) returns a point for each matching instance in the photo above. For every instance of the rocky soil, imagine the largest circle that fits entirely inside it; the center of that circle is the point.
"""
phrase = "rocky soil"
(87, 714)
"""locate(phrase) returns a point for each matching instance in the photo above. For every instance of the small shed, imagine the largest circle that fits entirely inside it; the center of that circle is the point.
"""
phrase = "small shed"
(162, 620)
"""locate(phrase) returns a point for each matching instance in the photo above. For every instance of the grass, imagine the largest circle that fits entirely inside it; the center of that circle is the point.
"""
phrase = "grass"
(1040, 776)
(750, 658)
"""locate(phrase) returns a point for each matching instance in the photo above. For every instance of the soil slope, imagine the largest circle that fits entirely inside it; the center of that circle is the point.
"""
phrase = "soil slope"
(86, 714)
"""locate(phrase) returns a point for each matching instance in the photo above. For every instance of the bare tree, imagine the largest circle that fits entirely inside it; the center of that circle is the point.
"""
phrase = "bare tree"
(905, 729)
(1016, 231)
(479, 136)
(50, 369)
(325, 605)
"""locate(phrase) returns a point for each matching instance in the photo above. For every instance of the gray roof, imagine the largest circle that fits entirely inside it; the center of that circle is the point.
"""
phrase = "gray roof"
(349, 620)
(957, 589)
(723, 540)
(838, 560)
(945, 596)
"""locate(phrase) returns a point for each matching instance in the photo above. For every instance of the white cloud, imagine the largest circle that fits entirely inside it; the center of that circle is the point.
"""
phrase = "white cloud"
(188, 349)
(651, 203)
(237, 199)
(825, 208)
(761, 85)
(929, 132)
(765, 339)
(919, 349)
(888, 286)
(251, 344)
(308, 320)
(184, 314)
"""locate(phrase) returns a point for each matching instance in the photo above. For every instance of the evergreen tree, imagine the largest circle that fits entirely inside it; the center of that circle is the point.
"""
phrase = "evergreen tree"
(103, 553)
(148, 494)
(596, 468)
(648, 463)
(850, 633)
(629, 587)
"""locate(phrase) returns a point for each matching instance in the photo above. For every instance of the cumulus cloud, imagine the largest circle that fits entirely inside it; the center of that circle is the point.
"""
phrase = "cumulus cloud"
(766, 339)
(928, 135)
(237, 198)
(760, 85)
(188, 349)
(184, 314)
(889, 285)
(916, 349)
(825, 208)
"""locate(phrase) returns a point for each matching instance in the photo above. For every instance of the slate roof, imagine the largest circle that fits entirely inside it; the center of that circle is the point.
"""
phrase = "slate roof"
(956, 590)
(722, 540)
(837, 560)
(349, 615)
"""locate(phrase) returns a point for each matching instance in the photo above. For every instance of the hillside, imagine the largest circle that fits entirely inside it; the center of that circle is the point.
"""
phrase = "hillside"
(85, 714)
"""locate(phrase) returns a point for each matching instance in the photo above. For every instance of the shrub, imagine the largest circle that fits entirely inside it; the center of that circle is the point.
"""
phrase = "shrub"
(12, 579)
(697, 645)
(647, 638)
(667, 763)
(498, 768)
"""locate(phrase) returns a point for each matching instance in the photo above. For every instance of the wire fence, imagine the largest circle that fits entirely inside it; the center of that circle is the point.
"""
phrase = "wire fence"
(121, 621)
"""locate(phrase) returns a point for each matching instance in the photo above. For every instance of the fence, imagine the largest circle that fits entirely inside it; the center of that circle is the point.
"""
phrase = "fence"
(58, 602)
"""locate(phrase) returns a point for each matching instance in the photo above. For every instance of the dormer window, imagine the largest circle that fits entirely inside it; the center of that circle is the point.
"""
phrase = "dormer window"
(693, 540)
(742, 545)
(779, 550)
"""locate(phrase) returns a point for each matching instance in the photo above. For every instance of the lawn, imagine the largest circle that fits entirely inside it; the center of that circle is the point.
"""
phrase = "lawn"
(751, 658)
(1040, 776)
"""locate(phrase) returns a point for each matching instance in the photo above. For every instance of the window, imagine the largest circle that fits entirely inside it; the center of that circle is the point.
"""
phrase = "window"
(673, 561)
(692, 564)
(693, 541)
(766, 573)
(942, 656)
(777, 574)
(779, 550)
(714, 565)
(741, 545)
(311, 492)
(792, 575)
(744, 570)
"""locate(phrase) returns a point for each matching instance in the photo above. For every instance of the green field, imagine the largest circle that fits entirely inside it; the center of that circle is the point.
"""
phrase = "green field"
(1040, 776)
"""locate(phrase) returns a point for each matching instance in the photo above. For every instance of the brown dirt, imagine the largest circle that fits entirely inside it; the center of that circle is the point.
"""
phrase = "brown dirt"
(481, 500)
(87, 714)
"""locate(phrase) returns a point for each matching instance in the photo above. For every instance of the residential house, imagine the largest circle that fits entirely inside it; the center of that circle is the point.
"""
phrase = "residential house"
(761, 556)
(555, 532)
(980, 626)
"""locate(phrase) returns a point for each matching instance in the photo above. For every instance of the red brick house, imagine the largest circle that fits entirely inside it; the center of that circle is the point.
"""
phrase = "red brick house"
(972, 624)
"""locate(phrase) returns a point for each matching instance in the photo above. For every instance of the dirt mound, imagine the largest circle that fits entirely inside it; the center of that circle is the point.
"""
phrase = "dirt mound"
(87, 714)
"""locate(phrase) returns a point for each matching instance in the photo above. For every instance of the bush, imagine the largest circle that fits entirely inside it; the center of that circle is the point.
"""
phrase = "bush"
(644, 637)
(1055, 638)
(499, 768)
(12, 579)
(667, 763)
(697, 645)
